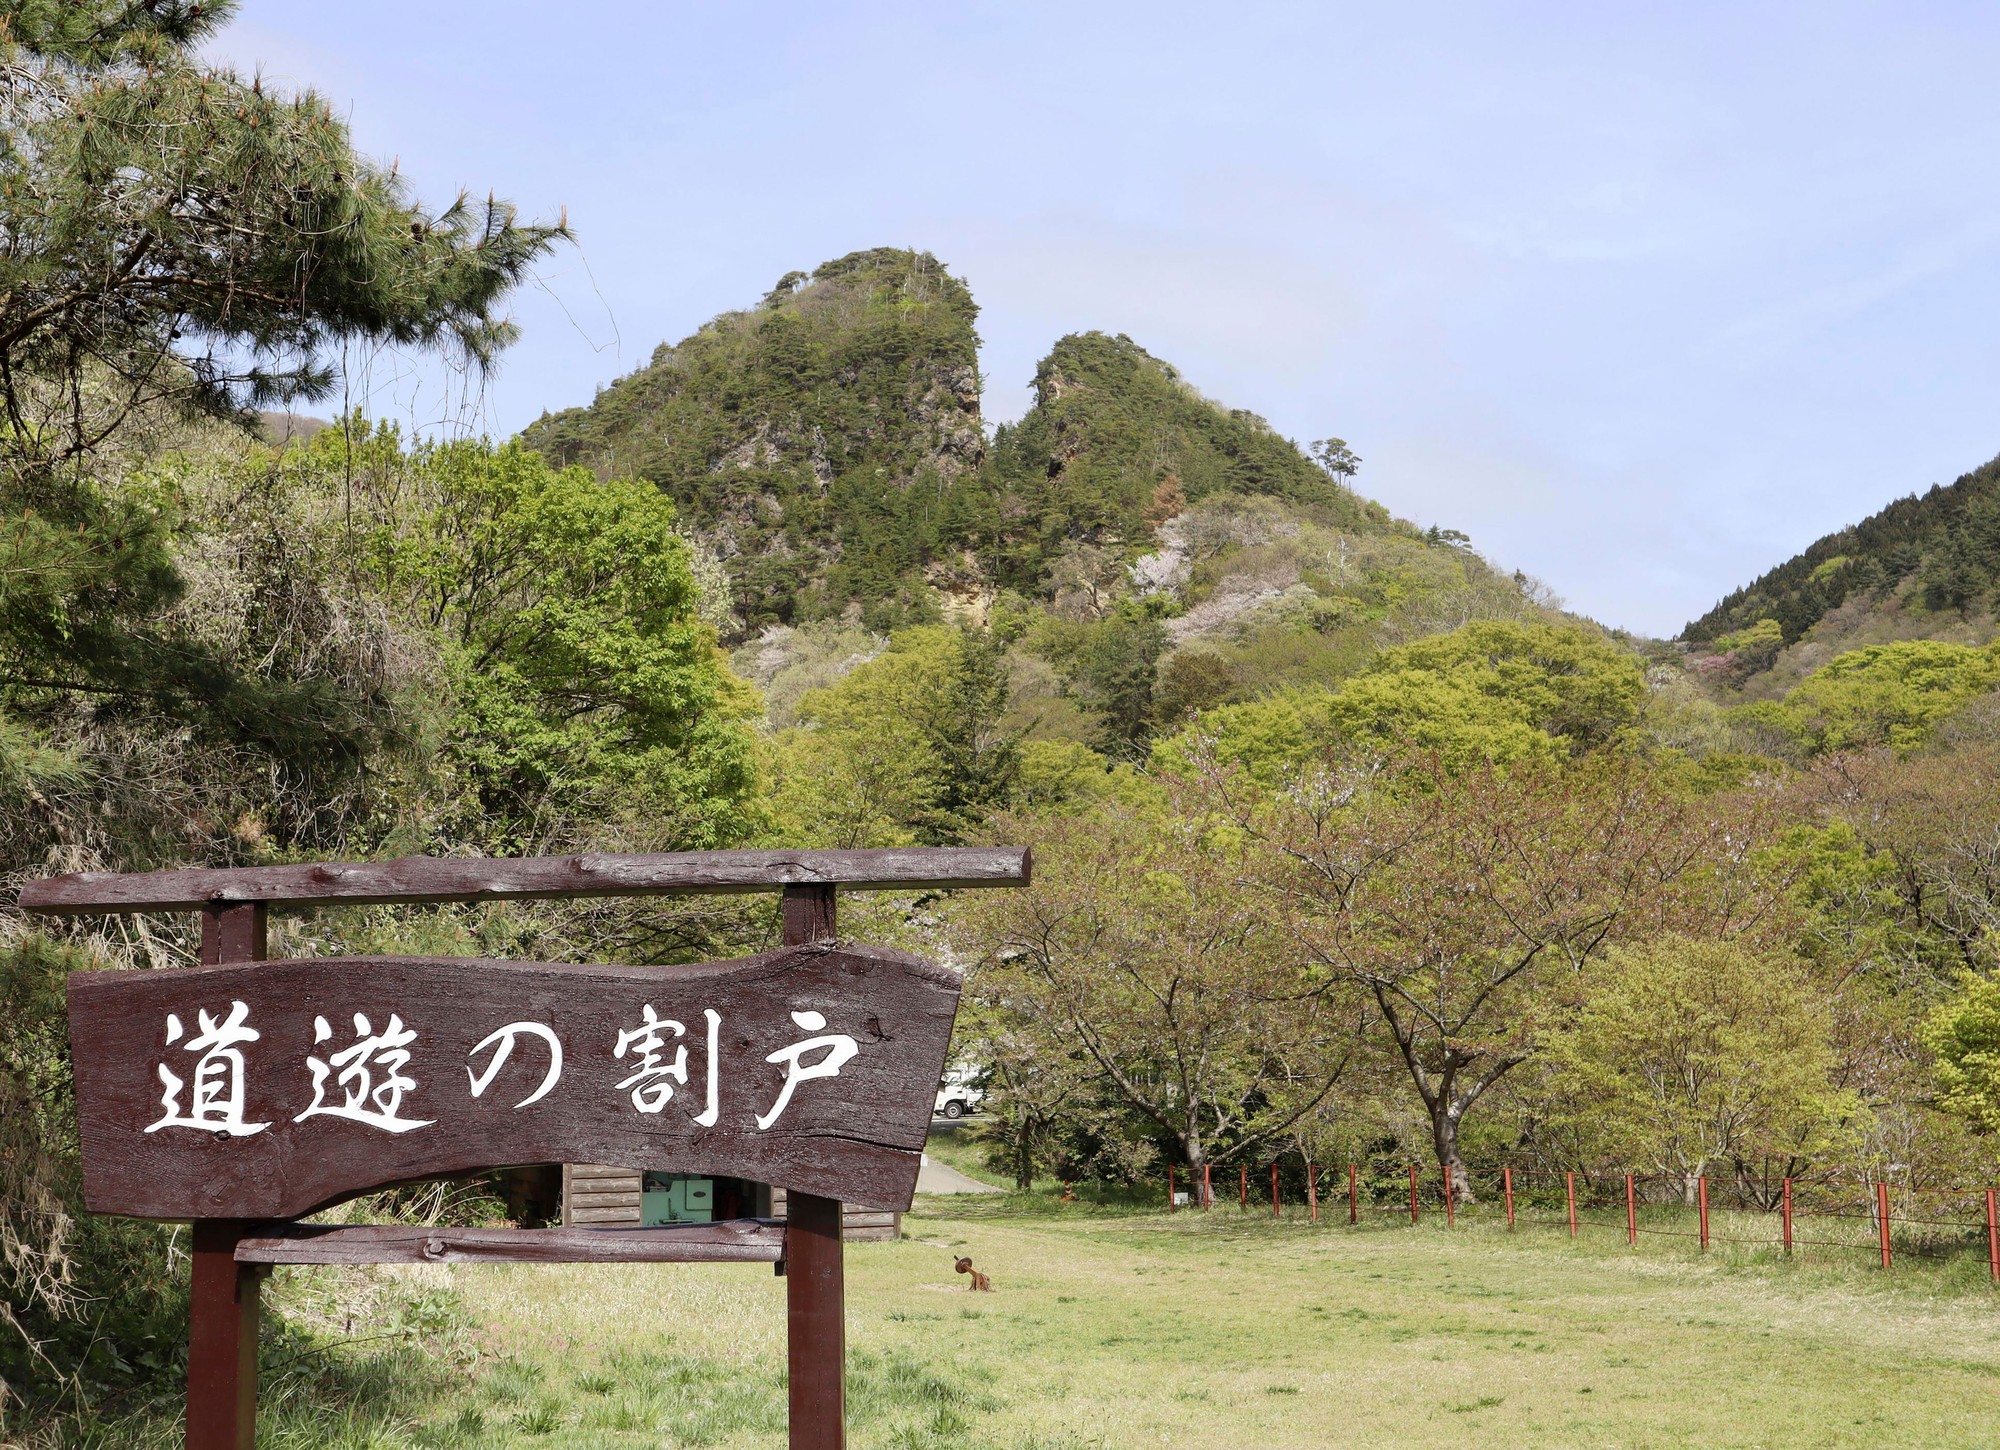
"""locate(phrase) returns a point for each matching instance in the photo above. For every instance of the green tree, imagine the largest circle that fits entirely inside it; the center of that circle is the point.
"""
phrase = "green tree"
(587, 686)
(1137, 950)
(1884, 694)
(1489, 692)
(911, 746)
(1494, 690)
(1340, 461)
(1963, 1037)
(178, 234)
(1691, 1055)
(180, 240)
(1466, 902)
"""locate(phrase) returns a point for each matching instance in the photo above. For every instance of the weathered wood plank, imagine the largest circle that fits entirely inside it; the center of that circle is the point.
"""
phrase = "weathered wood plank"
(730, 1241)
(184, 1115)
(606, 1215)
(432, 879)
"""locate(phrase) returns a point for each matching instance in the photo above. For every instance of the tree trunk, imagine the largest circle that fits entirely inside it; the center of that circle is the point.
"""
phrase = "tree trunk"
(1197, 1156)
(1444, 1135)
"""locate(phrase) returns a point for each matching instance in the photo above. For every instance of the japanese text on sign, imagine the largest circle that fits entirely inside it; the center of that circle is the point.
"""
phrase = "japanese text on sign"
(367, 1080)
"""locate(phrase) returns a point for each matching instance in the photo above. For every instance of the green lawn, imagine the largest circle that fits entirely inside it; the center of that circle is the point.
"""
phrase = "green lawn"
(1123, 1329)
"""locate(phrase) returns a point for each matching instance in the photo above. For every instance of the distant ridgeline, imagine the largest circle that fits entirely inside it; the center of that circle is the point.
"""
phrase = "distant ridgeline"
(1937, 553)
(828, 444)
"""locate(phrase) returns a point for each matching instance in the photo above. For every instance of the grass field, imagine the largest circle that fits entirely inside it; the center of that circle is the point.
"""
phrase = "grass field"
(1116, 1328)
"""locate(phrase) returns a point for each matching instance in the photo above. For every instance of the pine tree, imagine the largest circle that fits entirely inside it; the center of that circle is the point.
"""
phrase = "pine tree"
(176, 240)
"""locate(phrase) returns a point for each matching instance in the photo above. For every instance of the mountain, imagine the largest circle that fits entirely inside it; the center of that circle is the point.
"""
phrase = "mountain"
(1925, 567)
(822, 441)
(1117, 442)
(828, 445)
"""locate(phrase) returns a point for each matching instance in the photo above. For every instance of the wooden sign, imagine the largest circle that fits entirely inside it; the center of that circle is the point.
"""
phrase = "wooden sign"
(275, 1089)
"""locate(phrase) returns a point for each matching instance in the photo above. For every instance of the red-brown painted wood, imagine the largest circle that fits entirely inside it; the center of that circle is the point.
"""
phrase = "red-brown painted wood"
(743, 1240)
(223, 1317)
(234, 934)
(1992, 1233)
(857, 1135)
(815, 1272)
(435, 879)
(815, 1324)
(225, 1306)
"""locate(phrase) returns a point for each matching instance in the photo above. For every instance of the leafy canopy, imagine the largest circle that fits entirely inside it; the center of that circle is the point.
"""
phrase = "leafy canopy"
(908, 747)
(1963, 1037)
(174, 239)
(585, 679)
(1691, 1053)
(177, 233)
(1492, 691)
(1885, 694)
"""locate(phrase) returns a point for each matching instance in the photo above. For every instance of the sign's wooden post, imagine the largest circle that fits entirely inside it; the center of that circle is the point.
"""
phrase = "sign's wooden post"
(815, 1271)
(224, 1308)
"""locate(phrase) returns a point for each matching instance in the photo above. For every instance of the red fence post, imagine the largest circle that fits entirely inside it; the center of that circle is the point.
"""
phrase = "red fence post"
(1788, 1216)
(1243, 1187)
(1207, 1188)
(1450, 1218)
(1701, 1187)
(1170, 1188)
(1312, 1190)
(1569, 1182)
(1882, 1217)
(1631, 1214)
(1992, 1237)
(1353, 1194)
(1274, 1189)
(1413, 1193)
(1507, 1186)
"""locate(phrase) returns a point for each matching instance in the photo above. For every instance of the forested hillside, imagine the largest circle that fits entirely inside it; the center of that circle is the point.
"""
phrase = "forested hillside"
(1925, 567)
(1137, 550)
(824, 441)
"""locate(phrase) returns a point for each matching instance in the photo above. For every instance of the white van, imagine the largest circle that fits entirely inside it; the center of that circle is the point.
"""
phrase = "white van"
(958, 1093)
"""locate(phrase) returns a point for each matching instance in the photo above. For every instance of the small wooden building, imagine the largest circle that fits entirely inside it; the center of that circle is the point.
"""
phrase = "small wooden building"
(599, 1195)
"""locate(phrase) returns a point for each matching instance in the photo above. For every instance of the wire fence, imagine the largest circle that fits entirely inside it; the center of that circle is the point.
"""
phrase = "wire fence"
(1791, 1216)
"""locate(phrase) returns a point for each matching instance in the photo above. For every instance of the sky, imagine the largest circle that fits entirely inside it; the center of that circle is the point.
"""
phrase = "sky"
(1643, 297)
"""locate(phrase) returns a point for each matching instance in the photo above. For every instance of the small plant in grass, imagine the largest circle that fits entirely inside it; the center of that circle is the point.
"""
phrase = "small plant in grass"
(544, 1418)
(511, 1381)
